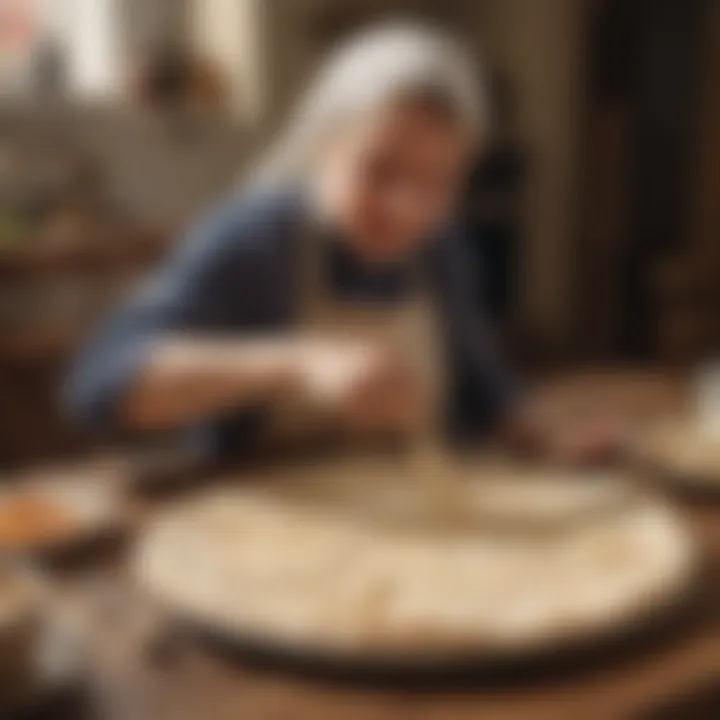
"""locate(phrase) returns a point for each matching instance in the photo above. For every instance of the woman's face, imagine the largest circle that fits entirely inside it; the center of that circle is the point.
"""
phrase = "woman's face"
(387, 181)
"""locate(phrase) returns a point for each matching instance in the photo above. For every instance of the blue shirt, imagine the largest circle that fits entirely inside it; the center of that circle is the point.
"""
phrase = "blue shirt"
(237, 271)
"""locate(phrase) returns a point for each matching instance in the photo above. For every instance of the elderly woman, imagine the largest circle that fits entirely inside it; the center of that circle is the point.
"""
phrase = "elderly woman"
(334, 286)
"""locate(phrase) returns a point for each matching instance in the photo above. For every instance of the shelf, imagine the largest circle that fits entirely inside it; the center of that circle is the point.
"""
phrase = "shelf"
(45, 347)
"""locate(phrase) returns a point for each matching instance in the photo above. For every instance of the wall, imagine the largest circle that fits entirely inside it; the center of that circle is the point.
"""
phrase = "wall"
(706, 218)
(162, 171)
(539, 46)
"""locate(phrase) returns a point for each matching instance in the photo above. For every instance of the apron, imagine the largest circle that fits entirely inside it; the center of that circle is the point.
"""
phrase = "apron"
(410, 324)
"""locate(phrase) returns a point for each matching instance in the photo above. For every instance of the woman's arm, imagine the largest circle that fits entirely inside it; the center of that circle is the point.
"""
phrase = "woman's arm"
(164, 358)
(489, 393)
(212, 332)
(186, 379)
(486, 392)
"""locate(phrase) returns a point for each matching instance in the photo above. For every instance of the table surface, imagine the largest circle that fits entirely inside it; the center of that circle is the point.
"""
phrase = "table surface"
(134, 676)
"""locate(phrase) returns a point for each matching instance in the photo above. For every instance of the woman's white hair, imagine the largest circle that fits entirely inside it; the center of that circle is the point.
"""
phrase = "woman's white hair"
(377, 66)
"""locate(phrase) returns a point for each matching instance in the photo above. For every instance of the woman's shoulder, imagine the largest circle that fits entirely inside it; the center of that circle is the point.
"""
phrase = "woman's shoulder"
(253, 219)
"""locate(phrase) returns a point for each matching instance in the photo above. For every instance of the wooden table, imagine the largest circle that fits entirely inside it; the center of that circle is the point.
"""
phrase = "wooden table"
(675, 674)
(137, 680)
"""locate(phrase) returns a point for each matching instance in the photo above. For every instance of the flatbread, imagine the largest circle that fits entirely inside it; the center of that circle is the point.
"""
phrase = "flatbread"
(681, 449)
(474, 492)
(260, 565)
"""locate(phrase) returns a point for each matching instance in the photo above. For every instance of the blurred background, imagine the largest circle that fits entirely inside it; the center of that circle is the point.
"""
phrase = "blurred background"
(593, 213)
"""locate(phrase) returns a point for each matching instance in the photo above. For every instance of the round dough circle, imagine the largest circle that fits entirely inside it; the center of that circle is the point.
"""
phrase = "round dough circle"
(681, 450)
(297, 575)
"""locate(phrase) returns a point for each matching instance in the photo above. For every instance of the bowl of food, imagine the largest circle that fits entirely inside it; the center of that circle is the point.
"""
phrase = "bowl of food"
(54, 511)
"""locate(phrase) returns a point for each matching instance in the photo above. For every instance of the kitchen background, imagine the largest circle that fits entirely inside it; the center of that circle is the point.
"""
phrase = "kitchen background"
(594, 214)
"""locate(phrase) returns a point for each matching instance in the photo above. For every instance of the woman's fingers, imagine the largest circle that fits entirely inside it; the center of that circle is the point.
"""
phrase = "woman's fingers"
(369, 387)
(389, 397)
(587, 438)
(590, 444)
(330, 371)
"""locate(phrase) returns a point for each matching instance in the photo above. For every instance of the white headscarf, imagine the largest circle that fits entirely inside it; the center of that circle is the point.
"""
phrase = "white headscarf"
(373, 68)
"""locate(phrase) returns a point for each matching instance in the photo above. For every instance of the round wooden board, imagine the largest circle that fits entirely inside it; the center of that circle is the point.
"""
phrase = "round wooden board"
(184, 562)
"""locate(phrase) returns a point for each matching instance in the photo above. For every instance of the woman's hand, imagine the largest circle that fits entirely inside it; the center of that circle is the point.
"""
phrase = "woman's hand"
(590, 440)
(370, 389)
(595, 442)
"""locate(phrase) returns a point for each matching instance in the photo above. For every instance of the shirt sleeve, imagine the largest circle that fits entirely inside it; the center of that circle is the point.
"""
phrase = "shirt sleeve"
(483, 386)
(219, 280)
